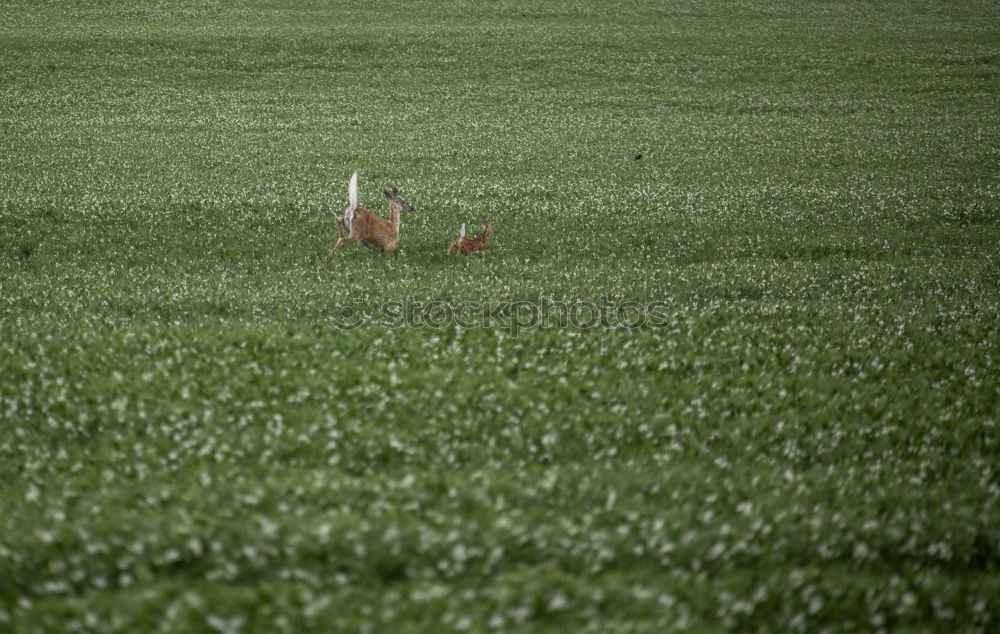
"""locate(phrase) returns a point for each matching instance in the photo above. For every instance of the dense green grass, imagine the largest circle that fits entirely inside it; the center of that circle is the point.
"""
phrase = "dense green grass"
(805, 439)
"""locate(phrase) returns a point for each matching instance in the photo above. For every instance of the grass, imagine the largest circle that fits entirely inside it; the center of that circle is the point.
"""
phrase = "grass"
(801, 433)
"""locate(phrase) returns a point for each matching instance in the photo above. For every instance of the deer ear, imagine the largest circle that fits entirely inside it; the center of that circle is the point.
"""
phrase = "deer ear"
(387, 194)
(395, 192)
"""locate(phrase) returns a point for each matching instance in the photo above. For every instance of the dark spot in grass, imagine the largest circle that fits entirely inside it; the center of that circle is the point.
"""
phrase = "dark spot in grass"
(976, 214)
(983, 554)
(390, 571)
(753, 293)
(219, 308)
(823, 251)
(646, 242)
(25, 252)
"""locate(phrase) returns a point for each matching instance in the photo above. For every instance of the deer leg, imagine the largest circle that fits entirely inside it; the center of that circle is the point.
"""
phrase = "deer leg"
(339, 244)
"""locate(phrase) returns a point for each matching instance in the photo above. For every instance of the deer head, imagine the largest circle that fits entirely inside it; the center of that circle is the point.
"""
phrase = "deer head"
(396, 203)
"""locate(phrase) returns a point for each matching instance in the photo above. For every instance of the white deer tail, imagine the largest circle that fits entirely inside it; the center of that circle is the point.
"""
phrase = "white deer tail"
(461, 232)
(352, 195)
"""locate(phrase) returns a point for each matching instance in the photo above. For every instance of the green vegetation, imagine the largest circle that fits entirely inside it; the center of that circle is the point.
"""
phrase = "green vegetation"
(804, 439)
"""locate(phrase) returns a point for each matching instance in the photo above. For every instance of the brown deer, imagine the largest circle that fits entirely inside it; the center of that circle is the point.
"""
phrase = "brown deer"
(369, 228)
(466, 246)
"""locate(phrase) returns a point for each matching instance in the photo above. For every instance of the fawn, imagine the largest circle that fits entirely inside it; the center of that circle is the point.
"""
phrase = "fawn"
(480, 244)
(367, 227)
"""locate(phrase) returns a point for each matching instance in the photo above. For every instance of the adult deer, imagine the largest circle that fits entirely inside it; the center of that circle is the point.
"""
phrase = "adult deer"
(367, 227)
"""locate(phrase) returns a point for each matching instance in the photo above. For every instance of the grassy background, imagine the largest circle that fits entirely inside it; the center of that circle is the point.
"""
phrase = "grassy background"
(809, 440)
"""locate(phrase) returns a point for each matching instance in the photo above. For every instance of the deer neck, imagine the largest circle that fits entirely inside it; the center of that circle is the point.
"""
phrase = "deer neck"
(394, 218)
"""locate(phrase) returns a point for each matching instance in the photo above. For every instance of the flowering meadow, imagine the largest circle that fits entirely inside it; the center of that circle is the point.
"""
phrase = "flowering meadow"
(774, 227)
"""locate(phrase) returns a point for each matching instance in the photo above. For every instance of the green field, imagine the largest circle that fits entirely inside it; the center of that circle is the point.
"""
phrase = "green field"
(774, 406)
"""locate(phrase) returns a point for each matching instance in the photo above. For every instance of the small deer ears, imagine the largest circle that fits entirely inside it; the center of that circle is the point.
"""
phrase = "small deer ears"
(387, 194)
(395, 192)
